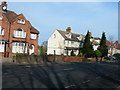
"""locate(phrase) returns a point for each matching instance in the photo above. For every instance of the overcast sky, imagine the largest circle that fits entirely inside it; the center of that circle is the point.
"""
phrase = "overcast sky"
(97, 17)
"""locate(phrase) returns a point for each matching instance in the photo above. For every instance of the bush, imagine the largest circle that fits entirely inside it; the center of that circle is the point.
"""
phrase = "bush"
(98, 53)
(90, 54)
(107, 58)
(117, 55)
(81, 55)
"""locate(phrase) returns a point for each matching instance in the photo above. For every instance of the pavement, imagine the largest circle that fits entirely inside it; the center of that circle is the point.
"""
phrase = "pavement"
(62, 75)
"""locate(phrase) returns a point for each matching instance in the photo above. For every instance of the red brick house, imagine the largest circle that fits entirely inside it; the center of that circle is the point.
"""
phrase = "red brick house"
(17, 35)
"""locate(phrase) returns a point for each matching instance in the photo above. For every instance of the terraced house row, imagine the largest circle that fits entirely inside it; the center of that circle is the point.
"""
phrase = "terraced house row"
(17, 35)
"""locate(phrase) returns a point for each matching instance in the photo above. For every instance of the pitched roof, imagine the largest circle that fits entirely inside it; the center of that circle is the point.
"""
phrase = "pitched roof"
(96, 38)
(95, 42)
(33, 30)
(73, 37)
(12, 15)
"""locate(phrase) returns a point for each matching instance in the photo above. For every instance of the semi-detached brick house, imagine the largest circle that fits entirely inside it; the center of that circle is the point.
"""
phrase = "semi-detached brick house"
(17, 35)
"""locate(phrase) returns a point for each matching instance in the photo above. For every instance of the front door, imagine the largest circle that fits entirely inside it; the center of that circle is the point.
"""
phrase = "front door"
(31, 51)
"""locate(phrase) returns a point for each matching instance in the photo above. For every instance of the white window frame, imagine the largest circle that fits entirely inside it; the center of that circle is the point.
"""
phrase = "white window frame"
(19, 47)
(32, 50)
(2, 46)
(20, 34)
(1, 31)
(1, 17)
(21, 21)
(33, 36)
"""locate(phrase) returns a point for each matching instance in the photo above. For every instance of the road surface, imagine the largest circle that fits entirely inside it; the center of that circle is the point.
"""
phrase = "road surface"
(61, 75)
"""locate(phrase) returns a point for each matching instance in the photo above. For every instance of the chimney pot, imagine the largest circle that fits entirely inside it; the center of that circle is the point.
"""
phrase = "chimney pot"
(3, 3)
(68, 30)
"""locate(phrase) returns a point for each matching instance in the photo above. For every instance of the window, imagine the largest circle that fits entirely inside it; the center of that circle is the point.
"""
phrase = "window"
(31, 51)
(79, 38)
(21, 21)
(33, 36)
(68, 35)
(54, 35)
(1, 17)
(19, 33)
(2, 46)
(19, 47)
(1, 31)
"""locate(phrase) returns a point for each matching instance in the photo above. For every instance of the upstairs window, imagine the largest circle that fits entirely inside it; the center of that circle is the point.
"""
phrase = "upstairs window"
(1, 17)
(19, 33)
(33, 36)
(21, 21)
(1, 31)
(68, 35)
(79, 38)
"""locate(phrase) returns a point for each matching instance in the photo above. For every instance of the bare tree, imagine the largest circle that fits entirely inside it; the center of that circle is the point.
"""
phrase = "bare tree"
(111, 45)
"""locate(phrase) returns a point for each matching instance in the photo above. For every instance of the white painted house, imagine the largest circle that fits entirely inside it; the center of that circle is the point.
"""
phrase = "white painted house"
(63, 42)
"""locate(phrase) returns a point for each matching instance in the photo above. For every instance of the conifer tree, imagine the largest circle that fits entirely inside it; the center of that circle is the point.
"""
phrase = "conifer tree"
(103, 47)
(87, 49)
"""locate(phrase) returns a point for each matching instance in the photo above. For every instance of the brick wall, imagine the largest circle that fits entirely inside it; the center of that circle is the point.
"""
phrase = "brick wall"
(80, 59)
(52, 58)
(9, 31)
(73, 59)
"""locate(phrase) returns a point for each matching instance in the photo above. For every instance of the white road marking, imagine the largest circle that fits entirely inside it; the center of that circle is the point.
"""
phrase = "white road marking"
(70, 86)
(27, 66)
(97, 77)
(86, 81)
(68, 69)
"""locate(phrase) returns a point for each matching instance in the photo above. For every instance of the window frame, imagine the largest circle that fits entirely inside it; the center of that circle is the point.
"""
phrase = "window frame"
(1, 31)
(19, 33)
(33, 36)
(21, 21)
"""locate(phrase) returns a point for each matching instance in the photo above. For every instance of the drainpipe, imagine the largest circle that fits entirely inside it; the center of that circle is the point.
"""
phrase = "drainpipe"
(9, 39)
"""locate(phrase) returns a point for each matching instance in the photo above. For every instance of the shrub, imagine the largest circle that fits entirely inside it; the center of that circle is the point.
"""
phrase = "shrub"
(81, 55)
(98, 53)
(117, 55)
(90, 54)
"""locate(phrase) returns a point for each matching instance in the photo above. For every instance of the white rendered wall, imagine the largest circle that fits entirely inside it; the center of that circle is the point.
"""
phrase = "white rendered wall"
(55, 44)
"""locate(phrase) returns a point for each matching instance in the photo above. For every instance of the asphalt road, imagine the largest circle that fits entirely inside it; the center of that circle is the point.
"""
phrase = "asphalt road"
(61, 75)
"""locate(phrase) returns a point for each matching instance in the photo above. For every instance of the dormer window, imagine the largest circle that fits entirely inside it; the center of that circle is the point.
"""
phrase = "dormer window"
(21, 21)
(68, 35)
(19, 33)
(79, 38)
(1, 31)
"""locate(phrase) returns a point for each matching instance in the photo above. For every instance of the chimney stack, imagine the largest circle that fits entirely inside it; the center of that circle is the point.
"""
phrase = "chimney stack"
(68, 30)
(3, 3)
(90, 33)
(3, 6)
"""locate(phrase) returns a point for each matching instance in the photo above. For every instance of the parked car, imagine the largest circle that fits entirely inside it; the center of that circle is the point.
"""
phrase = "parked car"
(114, 58)
(111, 58)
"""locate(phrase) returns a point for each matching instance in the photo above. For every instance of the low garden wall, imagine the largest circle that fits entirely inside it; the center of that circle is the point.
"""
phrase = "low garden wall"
(51, 58)
(80, 59)
(37, 58)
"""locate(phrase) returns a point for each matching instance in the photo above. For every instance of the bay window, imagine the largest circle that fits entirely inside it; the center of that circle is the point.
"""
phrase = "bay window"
(19, 47)
(20, 33)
